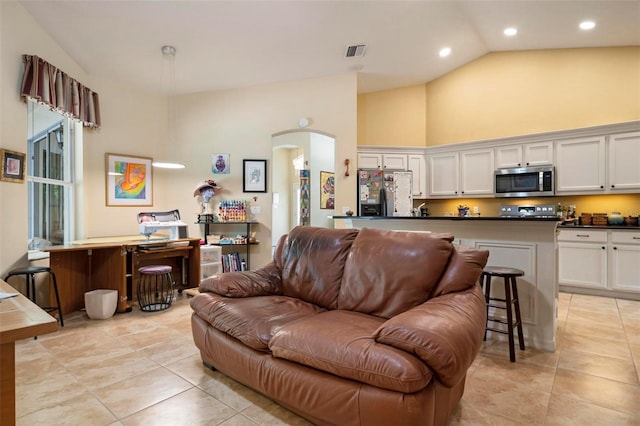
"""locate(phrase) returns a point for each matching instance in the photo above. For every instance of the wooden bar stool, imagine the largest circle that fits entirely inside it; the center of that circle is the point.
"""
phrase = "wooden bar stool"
(509, 302)
(155, 288)
(29, 273)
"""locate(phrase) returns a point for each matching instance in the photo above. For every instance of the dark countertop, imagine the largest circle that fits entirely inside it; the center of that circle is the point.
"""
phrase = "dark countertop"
(625, 227)
(463, 218)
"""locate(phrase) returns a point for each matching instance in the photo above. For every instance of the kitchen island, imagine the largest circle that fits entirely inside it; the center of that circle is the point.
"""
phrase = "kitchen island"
(525, 243)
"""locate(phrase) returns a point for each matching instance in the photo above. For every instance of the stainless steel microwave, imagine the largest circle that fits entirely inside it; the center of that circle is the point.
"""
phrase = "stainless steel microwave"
(525, 182)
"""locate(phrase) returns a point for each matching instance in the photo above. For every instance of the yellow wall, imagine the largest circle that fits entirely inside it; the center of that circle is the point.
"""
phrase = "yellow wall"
(507, 94)
(393, 117)
(516, 93)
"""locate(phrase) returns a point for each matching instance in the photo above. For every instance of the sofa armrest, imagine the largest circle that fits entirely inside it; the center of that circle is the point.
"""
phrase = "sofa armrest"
(446, 332)
(261, 282)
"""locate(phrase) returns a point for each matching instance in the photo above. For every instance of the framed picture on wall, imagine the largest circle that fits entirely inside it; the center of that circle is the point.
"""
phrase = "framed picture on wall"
(129, 180)
(12, 169)
(254, 175)
(327, 190)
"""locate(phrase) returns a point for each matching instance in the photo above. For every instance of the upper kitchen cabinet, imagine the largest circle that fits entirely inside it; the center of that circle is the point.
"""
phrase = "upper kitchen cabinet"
(443, 174)
(372, 160)
(476, 172)
(530, 154)
(580, 165)
(461, 173)
(418, 165)
(624, 162)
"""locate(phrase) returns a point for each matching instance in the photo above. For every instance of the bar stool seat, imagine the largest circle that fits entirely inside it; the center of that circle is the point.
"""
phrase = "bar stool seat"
(510, 303)
(155, 288)
(29, 273)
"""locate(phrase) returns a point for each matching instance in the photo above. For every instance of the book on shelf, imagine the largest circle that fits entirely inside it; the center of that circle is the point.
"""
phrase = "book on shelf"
(232, 263)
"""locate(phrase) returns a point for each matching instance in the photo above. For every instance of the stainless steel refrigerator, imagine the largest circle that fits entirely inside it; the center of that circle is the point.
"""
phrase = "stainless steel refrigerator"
(384, 192)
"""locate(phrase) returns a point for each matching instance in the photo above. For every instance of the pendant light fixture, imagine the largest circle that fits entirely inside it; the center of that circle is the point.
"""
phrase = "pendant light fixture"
(169, 56)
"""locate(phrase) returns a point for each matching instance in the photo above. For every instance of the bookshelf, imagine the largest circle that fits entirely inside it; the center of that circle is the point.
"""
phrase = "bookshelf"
(228, 229)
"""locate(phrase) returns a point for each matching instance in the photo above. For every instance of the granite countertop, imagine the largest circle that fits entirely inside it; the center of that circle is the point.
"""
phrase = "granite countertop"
(625, 227)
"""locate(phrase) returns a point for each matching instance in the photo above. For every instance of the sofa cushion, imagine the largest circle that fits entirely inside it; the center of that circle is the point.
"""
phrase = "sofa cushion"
(388, 272)
(463, 270)
(312, 263)
(341, 343)
(251, 320)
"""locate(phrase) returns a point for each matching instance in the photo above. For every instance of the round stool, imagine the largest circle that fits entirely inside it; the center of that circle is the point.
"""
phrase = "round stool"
(510, 300)
(29, 272)
(155, 288)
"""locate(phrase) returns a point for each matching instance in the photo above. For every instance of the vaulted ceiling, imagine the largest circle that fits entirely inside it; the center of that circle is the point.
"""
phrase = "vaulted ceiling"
(228, 44)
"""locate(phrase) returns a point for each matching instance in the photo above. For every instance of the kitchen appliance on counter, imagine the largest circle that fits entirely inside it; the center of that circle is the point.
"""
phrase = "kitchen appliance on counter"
(541, 211)
(524, 182)
(385, 192)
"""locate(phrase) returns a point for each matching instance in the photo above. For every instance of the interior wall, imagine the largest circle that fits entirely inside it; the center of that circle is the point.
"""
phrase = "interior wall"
(240, 122)
(517, 93)
(507, 94)
(393, 117)
(133, 123)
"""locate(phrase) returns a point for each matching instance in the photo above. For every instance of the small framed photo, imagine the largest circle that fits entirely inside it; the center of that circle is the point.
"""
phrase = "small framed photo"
(12, 166)
(129, 180)
(254, 175)
(220, 164)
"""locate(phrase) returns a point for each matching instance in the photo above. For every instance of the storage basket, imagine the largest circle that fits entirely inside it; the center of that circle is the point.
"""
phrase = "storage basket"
(631, 220)
(599, 220)
(585, 219)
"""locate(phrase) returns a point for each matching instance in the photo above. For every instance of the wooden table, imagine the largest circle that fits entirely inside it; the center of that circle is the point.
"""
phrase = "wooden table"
(112, 263)
(19, 319)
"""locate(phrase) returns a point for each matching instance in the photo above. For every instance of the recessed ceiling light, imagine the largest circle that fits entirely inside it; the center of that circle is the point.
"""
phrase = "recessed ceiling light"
(445, 51)
(587, 25)
(511, 31)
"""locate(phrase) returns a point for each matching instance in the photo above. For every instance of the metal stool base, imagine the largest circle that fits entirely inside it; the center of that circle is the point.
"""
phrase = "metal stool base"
(155, 288)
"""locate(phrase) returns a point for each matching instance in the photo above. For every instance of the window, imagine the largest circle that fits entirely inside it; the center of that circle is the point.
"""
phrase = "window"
(50, 175)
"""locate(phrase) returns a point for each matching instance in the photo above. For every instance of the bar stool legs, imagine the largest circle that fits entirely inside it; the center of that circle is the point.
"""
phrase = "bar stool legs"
(29, 272)
(510, 303)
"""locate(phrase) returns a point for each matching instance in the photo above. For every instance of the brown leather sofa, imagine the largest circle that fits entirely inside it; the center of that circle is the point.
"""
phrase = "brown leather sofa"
(350, 327)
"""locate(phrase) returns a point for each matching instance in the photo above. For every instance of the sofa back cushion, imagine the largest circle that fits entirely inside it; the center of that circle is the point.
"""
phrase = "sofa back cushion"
(463, 271)
(389, 272)
(312, 262)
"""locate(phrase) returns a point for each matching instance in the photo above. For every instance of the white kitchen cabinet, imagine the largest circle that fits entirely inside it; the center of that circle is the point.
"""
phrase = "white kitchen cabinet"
(580, 165)
(373, 160)
(526, 155)
(624, 162)
(418, 165)
(624, 260)
(461, 173)
(582, 258)
(476, 172)
(369, 160)
(443, 174)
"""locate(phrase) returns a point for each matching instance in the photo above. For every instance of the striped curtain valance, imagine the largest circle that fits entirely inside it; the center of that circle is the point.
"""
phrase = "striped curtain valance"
(47, 84)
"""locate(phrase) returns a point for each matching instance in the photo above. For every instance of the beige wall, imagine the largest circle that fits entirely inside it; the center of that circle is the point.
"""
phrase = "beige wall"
(507, 94)
(239, 122)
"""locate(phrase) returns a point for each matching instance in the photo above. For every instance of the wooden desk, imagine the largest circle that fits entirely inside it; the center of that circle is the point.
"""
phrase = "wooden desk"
(19, 319)
(113, 264)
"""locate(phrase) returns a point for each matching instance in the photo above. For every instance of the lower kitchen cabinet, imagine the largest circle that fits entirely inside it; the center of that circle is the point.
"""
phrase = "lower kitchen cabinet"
(605, 261)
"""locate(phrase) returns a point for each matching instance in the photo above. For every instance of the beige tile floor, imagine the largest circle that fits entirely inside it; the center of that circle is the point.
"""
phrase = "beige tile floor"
(143, 369)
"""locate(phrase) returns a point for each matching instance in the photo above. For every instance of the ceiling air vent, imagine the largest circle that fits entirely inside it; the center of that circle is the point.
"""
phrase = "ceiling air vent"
(356, 50)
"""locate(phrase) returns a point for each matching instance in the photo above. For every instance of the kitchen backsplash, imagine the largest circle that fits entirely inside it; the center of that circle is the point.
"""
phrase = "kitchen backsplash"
(626, 204)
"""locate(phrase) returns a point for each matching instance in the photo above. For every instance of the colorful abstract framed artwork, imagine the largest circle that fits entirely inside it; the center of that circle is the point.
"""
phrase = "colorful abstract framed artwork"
(327, 190)
(129, 180)
(12, 169)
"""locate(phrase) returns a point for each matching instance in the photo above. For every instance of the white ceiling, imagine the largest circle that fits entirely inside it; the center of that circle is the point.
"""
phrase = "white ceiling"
(229, 44)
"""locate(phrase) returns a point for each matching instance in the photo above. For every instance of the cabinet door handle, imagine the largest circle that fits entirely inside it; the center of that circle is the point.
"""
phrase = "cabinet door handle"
(615, 248)
(635, 238)
(613, 186)
(601, 186)
(603, 247)
(582, 235)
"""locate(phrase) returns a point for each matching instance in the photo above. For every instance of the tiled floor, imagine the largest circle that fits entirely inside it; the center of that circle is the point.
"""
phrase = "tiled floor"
(143, 369)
